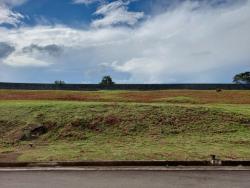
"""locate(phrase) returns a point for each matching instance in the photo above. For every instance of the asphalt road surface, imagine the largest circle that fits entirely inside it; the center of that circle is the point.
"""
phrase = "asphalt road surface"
(120, 179)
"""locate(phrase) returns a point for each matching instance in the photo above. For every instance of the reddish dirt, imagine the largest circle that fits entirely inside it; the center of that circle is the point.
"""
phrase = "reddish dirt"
(47, 95)
(230, 97)
(9, 157)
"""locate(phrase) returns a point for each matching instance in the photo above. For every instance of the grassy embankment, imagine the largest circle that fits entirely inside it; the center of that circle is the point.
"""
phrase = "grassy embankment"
(119, 125)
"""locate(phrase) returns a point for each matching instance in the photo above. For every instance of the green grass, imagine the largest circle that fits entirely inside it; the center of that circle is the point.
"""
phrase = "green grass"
(180, 99)
(125, 131)
(178, 147)
(230, 108)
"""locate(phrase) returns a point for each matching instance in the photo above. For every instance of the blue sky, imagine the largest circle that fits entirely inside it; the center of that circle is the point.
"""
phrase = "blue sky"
(77, 14)
(134, 41)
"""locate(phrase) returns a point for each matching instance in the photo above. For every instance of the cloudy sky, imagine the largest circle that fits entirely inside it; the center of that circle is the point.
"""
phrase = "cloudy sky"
(134, 41)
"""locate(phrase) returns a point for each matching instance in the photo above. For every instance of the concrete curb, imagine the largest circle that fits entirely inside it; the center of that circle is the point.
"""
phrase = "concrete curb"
(125, 163)
(125, 168)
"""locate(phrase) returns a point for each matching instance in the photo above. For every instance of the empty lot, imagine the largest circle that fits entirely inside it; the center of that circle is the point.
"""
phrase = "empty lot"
(124, 125)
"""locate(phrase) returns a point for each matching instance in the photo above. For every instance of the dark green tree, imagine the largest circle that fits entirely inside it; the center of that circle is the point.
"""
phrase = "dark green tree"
(59, 82)
(107, 81)
(242, 78)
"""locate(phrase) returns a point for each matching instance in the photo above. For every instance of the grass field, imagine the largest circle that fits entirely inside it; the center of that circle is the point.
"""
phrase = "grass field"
(124, 125)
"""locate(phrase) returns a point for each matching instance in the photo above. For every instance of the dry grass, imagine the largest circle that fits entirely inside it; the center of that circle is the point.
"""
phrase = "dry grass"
(166, 96)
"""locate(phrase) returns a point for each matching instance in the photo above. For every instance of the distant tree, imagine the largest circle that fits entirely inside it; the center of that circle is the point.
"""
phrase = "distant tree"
(59, 82)
(107, 81)
(242, 78)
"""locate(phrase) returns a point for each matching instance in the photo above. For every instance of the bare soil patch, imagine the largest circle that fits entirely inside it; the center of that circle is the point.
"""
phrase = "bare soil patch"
(169, 96)
(229, 97)
(9, 156)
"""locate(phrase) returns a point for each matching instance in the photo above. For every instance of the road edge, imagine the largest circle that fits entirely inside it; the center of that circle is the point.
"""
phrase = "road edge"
(219, 163)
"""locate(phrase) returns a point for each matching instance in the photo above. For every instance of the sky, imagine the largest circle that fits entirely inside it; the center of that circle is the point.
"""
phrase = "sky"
(133, 41)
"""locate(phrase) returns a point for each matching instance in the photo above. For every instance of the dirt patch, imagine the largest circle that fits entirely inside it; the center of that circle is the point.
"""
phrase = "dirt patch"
(29, 132)
(48, 95)
(197, 96)
(241, 142)
(229, 97)
(112, 120)
(9, 156)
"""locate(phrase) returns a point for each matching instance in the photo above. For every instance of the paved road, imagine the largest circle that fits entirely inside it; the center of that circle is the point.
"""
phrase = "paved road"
(126, 179)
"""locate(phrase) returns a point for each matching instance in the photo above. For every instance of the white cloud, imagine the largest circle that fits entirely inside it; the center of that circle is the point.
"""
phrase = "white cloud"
(191, 43)
(86, 2)
(116, 13)
(7, 16)
(23, 60)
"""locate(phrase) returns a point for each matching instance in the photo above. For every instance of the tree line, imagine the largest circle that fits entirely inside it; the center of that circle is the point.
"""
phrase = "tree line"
(241, 78)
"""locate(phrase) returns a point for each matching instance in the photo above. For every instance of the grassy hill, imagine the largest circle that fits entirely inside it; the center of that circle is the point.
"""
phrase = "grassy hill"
(169, 129)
